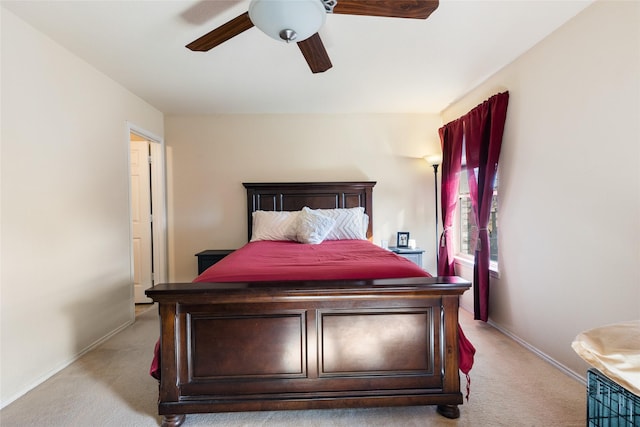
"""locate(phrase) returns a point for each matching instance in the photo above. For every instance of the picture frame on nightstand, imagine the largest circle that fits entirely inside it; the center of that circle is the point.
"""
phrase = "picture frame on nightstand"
(403, 239)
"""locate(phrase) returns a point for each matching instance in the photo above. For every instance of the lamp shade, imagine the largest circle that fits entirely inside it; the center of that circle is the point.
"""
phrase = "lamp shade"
(288, 20)
(434, 159)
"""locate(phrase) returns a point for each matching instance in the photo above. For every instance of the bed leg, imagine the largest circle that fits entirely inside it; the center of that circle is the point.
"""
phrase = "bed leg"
(449, 411)
(172, 420)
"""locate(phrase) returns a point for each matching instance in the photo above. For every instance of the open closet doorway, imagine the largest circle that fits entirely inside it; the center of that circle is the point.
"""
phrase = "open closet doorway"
(148, 212)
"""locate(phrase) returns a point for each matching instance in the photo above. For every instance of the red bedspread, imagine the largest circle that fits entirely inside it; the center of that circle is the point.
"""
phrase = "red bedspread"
(330, 260)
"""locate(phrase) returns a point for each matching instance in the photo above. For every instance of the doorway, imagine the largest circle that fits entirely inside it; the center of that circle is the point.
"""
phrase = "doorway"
(147, 213)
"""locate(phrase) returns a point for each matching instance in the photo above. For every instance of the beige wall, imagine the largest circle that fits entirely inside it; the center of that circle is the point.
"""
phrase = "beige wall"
(209, 157)
(66, 267)
(569, 197)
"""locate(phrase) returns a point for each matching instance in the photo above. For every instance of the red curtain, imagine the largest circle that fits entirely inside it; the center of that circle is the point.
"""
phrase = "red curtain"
(484, 126)
(451, 136)
(451, 141)
(482, 132)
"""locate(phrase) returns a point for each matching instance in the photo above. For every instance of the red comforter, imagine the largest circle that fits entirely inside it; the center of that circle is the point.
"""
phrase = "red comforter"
(330, 260)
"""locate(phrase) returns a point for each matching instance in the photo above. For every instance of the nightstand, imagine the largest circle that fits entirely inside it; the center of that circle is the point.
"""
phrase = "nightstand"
(209, 257)
(414, 255)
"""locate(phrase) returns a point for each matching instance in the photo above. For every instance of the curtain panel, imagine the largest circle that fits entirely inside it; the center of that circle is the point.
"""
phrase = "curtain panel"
(451, 141)
(481, 135)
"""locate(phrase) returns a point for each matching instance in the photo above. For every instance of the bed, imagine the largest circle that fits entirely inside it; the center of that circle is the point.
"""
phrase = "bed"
(308, 341)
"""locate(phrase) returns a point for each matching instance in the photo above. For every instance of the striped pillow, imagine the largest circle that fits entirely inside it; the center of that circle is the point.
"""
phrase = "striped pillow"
(313, 227)
(350, 223)
(274, 225)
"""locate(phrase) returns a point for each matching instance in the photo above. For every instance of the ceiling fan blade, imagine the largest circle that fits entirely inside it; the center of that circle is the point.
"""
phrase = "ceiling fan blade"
(418, 9)
(221, 34)
(315, 54)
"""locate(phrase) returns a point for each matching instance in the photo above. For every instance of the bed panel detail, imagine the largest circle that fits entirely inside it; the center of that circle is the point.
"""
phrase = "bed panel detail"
(376, 343)
(247, 346)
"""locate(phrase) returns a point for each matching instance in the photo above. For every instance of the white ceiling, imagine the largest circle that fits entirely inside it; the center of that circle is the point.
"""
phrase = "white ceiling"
(385, 65)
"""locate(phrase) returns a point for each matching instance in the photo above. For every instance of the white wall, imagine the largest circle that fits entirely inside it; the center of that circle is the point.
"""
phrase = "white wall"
(569, 196)
(66, 267)
(209, 157)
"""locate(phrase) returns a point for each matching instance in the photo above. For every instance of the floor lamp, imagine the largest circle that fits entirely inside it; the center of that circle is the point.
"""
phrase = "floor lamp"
(434, 160)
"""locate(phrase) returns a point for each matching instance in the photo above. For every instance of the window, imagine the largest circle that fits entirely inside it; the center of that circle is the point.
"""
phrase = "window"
(467, 227)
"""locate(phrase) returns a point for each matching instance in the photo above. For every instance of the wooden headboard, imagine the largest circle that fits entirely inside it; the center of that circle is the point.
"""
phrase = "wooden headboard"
(293, 196)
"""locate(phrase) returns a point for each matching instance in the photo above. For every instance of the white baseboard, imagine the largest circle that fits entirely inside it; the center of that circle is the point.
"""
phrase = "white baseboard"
(580, 378)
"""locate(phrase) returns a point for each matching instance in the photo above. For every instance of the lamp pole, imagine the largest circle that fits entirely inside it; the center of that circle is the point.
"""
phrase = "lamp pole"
(434, 160)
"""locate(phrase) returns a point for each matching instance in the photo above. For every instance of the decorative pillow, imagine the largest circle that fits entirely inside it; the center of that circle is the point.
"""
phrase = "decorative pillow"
(350, 223)
(313, 227)
(274, 225)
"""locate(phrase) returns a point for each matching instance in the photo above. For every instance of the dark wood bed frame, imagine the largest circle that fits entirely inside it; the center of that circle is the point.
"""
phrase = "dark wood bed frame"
(308, 345)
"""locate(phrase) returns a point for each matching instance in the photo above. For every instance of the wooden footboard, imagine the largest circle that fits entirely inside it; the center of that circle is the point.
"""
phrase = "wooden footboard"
(304, 345)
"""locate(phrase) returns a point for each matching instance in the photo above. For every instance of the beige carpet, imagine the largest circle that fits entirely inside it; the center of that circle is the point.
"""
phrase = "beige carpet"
(110, 386)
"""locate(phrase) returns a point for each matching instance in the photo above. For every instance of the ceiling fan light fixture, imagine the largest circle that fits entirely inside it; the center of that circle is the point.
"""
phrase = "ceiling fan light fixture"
(288, 20)
(288, 35)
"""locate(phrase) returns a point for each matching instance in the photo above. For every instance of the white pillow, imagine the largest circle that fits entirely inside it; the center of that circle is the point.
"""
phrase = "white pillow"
(350, 223)
(274, 225)
(313, 227)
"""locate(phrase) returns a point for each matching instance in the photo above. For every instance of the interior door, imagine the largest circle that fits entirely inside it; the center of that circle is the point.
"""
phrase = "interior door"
(141, 219)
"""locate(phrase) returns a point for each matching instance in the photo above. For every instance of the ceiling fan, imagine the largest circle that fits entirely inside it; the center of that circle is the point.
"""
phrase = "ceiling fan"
(299, 21)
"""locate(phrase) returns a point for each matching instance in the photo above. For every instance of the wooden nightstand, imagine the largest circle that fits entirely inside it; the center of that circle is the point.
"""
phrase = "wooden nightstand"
(209, 257)
(414, 255)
